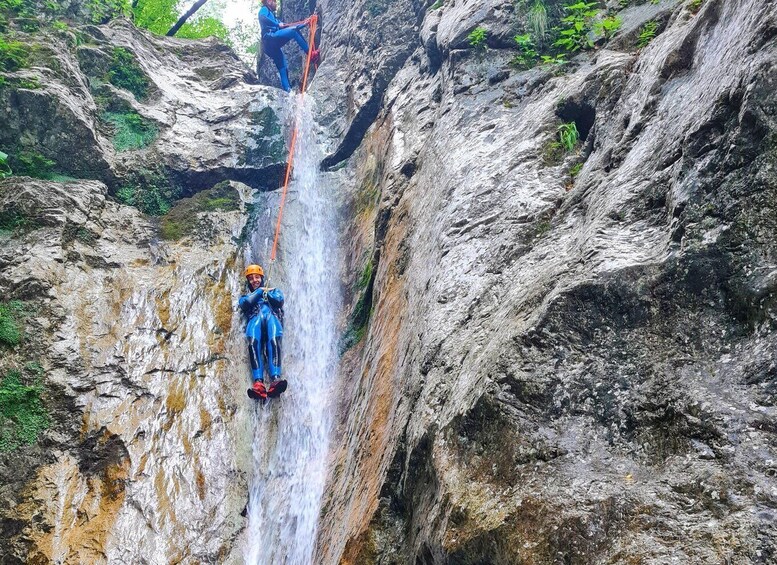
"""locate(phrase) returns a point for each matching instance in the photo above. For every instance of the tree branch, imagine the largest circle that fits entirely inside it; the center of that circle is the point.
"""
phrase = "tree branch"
(182, 20)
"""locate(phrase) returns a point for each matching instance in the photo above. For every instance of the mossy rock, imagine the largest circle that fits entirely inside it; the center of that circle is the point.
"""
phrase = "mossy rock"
(265, 145)
(183, 221)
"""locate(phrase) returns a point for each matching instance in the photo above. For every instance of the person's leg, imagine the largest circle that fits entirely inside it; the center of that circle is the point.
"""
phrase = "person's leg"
(283, 36)
(274, 52)
(274, 346)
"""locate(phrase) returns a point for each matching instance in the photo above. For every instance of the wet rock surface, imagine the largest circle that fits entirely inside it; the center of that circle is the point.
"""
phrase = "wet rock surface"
(558, 367)
(140, 371)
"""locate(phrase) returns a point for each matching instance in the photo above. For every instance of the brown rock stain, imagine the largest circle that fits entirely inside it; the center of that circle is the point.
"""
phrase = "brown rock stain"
(75, 532)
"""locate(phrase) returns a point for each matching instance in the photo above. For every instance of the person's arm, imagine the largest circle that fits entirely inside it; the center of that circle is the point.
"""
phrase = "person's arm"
(275, 297)
(268, 21)
(248, 301)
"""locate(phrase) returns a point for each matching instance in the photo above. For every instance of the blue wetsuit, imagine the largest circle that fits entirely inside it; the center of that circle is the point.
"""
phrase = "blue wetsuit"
(273, 38)
(264, 330)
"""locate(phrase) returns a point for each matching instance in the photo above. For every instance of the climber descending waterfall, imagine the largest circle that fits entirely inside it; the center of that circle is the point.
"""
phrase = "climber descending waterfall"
(263, 308)
(290, 441)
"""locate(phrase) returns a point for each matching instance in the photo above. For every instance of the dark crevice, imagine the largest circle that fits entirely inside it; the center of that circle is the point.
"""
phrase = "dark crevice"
(581, 113)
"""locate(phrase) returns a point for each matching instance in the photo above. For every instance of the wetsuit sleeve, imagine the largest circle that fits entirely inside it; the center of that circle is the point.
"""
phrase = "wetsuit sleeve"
(275, 296)
(268, 21)
(248, 301)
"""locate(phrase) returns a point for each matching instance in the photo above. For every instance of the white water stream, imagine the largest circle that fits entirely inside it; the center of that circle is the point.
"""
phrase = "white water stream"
(291, 434)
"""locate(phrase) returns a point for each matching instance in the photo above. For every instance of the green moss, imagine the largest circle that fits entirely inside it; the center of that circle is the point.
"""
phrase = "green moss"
(477, 37)
(13, 55)
(265, 144)
(131, 131)
(11, 314)
(125, 72)
(366, 275)
(22, 414)
(182, 219)
(148, 190)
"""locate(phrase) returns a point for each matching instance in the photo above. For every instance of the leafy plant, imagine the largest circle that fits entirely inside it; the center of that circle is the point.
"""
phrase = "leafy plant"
(31, 83)
(537, 19)
(578, 26)
(13, 55)
(606, 27)
(553, 60)
(125, 72)
(575, 169)
(10, 317)
(22, 414)
(131, 131)
(5, 168)
(477, 37)
(33, 164)
(59, 26)
(647, 33)
(438, 4)
(527, 54)
(568, 136)
(149, 191)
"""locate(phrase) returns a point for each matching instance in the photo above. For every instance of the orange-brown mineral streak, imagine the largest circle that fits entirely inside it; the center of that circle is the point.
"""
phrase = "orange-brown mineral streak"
(79, 511)
(372, 445)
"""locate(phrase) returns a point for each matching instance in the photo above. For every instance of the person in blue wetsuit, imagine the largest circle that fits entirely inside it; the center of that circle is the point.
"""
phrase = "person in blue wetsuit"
(276, 34)
(263, 308)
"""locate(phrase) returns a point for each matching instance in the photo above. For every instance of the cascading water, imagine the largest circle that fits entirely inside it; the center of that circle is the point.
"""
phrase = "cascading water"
(291, 434)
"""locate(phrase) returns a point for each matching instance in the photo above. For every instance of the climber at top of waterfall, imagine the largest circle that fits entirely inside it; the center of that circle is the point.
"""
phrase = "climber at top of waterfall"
(276, 34)
(263, 308)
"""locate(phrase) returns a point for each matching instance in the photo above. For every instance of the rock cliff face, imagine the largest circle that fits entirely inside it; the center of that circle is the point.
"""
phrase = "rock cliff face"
(560, 363)
(128, 331)
(547, 356)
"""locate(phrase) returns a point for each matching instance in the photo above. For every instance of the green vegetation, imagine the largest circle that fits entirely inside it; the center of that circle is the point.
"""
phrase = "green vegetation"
(695, 5)
(13, 55)
(366, 275)
(568, 136)
(5, 168)
(647, 33)
(103, 11)
(159, 16)
(11, 314)
(579, 25)
(552, 60)
(125, 72)
(131, 131)
(149, 191)
(538, 21)
(607, 26)
(33, 164)
(181, 221)
(527, 54)
(477, 37)
(438, 4)
(12, 220)
(575, 169)
(22, 414)
(59, 26)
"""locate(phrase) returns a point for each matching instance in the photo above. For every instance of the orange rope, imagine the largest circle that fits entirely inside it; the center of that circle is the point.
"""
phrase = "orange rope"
(313, 20)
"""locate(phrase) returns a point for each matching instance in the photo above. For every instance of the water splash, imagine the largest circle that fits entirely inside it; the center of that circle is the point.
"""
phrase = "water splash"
(292, 433)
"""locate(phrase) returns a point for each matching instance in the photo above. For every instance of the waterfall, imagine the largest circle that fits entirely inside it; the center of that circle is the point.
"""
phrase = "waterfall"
(291, 434)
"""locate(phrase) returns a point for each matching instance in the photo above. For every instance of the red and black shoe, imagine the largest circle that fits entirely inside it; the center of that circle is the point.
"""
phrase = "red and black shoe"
(257, 391)
(277, 388)
(315, 57)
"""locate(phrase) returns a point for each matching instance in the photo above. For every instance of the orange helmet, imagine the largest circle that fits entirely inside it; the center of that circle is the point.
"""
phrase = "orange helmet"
(254, 270)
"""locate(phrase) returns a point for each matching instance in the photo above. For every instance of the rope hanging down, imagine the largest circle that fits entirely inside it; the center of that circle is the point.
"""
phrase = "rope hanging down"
(312, 20)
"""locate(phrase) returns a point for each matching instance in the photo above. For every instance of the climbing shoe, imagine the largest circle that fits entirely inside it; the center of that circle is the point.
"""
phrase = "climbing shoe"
(315, 56)
(258, 392)
(276, 388)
